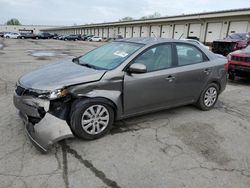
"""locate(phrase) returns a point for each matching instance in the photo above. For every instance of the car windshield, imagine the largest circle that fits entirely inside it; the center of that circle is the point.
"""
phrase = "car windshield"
(239, 36)
(110, 55)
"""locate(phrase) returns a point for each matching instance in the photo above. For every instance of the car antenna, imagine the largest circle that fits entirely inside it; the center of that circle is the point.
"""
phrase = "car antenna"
(155, 36)
(181, 36)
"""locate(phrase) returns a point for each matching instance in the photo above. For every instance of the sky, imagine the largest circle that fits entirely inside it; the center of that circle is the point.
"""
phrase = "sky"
(62, 12)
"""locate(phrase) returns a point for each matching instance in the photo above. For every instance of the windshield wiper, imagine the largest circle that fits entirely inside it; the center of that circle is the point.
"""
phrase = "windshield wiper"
(88, 65)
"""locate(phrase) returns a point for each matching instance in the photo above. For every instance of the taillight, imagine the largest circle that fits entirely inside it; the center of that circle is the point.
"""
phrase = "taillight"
(226, 66)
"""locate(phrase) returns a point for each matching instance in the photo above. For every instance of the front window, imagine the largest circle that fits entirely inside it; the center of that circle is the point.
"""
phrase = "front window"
(110, 55)
(156, 58)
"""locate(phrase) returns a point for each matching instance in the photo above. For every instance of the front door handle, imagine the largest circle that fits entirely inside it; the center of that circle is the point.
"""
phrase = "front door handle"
(170, 78)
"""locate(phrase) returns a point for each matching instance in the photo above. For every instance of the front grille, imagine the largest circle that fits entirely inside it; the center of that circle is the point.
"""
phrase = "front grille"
(241, 59)
(20, 90)
(29, 92)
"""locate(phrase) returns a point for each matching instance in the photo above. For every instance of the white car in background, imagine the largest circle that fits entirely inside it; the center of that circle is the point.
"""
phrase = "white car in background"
(11, 35)
(196, 42)
(96, 39)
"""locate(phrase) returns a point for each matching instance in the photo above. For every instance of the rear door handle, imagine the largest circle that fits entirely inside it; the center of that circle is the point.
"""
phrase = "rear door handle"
(207, 71)
(170, 78)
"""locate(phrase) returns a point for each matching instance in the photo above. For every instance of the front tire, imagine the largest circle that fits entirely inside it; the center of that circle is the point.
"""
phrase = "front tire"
(91, 119)
(208, 97)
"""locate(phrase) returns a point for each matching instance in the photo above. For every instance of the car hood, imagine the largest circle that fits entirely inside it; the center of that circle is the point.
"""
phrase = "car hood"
(59, 75)
(244, 52)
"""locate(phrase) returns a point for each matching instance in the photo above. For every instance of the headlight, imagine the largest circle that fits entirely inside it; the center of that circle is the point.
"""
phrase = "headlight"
(57, 94)
(229, 57)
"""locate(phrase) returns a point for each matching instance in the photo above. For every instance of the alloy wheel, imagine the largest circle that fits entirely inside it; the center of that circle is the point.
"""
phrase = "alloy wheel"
(95, 119)
(210, 96)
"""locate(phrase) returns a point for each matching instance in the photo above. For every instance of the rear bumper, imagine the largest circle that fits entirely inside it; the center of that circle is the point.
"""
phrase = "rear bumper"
(49, 128)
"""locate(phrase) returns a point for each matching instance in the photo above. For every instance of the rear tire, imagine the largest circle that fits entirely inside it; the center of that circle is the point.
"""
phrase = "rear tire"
(208, 97)
(91, 119)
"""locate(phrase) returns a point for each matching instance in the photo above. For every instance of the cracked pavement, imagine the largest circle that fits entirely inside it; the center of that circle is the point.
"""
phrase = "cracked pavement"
(180, 147)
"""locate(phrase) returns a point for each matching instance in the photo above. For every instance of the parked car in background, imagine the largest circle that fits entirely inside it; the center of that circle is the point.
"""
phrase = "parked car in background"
(55, 36)
(60, 37)
(118, 37)
(72, 37)
(44, 35)
(2, 34)
(125, 78)
(11, 35)
(239, 63)
(235, 41)
(196, 42)
(95, 39)
(88, 37)
(28, 36)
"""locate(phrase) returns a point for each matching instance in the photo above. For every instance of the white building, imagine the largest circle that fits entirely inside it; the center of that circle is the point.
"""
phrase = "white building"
(23, 28)
(207, 26)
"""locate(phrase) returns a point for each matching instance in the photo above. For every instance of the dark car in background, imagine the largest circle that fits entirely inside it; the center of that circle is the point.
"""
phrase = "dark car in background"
(72, 37)
(2, 34)
(87, 37)
(118, 80)
(235, 41)
(28, 36)
(44, 35)
(239, 63)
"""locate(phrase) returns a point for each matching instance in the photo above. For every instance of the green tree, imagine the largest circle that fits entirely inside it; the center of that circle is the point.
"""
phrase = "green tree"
(126, 19)
(155, 15)
(13, 21)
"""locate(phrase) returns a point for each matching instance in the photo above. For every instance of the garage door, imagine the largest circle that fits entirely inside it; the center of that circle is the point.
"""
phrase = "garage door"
(179, 31)
(92, 31)
(194, 30)
(105, 32)
(213, 31)
(116, 31)
(136, 31)
(96, 32)
(155, 31)
(122, 31)
(145, 31)
(128, 32)
(166, 31)
(238, 27)
(111, 32)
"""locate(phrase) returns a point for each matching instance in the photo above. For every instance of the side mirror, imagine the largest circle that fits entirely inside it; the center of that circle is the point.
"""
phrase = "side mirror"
(137, 68)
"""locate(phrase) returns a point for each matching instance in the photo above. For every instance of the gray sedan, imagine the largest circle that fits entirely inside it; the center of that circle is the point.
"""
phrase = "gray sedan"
(125, 78)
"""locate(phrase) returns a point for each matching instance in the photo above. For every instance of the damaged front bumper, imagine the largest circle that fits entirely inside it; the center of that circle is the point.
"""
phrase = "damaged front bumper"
(47, 129)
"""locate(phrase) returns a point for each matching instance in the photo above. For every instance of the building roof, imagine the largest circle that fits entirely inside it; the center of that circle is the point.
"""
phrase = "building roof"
(202, 15)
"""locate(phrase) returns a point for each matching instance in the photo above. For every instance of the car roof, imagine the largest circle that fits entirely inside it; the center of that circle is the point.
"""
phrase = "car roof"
(147, 40)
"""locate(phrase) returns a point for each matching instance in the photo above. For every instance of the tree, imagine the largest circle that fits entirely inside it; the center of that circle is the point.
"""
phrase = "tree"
(13, 21)
(126, 19)
(155, 15)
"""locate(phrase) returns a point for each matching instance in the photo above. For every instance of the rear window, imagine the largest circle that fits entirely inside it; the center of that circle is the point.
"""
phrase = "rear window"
(188, 54)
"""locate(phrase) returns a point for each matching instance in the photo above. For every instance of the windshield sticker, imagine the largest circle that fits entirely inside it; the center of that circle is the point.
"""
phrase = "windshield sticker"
(121, 53)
